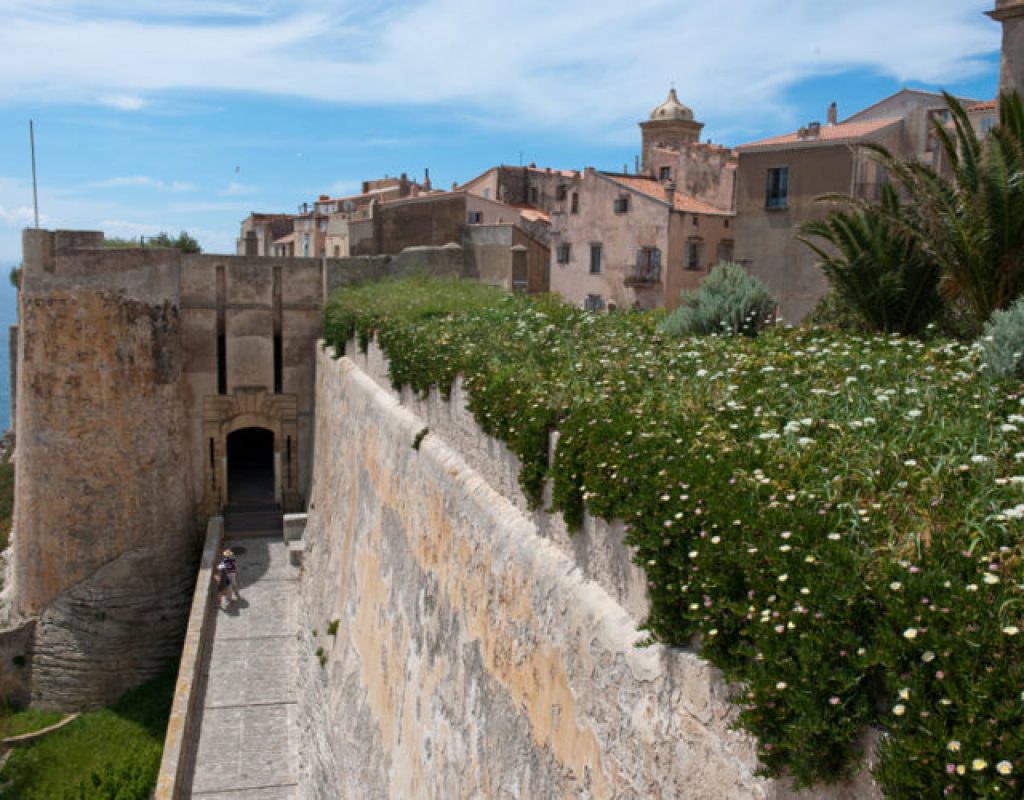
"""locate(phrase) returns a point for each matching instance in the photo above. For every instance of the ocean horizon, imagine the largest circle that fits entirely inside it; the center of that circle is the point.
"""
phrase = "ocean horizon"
(8, 317)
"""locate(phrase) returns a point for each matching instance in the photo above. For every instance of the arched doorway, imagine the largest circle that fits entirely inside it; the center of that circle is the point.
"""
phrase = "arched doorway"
(250, 466)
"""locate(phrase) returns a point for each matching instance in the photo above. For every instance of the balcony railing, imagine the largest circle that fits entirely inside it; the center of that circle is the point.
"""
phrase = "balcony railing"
(648, 275)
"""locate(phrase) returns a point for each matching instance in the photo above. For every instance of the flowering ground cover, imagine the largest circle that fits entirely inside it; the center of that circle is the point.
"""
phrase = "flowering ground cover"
(835, 521)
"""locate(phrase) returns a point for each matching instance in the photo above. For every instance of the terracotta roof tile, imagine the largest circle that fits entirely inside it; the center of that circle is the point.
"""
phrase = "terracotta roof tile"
(831, 134)
(986, 105)
(656, 189)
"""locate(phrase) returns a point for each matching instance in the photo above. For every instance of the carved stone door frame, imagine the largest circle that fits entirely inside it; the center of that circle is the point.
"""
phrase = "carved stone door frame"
(250, 408)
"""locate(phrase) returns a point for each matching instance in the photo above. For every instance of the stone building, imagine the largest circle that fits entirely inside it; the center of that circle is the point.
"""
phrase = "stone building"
(154, 389)
(671, 151)
(780, 179)
(1010, 14)
(631, 241)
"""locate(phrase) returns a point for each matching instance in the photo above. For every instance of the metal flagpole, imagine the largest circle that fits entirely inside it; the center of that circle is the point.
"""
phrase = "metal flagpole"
(35, 194)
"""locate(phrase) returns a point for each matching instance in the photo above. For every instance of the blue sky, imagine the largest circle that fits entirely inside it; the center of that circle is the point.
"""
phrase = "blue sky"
(187, 115)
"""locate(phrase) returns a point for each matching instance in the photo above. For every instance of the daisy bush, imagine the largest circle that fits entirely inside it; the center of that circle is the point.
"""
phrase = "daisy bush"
(834, 520)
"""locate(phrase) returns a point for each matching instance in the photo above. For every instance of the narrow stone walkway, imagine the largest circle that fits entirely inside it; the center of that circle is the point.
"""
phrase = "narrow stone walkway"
(248, 735)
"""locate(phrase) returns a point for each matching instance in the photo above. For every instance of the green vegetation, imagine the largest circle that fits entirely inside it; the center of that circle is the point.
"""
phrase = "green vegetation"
(183, 241)
(834, 518)
(729, 301)
(966, 231)
(113, 753)
(1002, 342)
(875, 268)
(15, 723)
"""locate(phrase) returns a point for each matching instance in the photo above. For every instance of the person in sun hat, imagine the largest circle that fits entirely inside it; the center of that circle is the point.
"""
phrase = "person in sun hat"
(228, 572)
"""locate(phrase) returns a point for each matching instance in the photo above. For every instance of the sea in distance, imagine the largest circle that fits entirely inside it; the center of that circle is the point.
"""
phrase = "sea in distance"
(8, 317)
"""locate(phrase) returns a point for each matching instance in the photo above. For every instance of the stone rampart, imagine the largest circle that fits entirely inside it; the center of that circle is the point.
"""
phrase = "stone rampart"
(471, 655)
(103, 536)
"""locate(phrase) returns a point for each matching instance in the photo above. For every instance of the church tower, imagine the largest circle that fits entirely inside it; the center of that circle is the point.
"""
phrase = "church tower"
(1010, 13)
(670, 125)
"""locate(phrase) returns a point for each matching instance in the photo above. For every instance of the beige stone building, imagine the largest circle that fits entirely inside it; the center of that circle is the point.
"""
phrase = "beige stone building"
(637, 241)
(631, 241)
(1010, 14)
(780, 180)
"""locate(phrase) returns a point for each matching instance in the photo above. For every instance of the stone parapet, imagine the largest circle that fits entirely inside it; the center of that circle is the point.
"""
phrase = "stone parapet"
(472, 656)
(175, 776)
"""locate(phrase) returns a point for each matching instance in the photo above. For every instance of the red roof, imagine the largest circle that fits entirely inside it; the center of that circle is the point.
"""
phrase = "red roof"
(656, 189)
(987, 105)
(828, 134)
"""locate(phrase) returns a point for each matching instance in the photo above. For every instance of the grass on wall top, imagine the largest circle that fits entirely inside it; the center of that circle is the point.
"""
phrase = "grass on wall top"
(835, 520)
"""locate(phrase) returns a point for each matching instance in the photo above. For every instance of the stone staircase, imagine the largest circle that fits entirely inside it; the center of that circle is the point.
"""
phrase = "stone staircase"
(253, 519)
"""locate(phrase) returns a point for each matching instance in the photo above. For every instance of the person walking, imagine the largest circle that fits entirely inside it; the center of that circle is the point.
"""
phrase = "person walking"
(228, 571)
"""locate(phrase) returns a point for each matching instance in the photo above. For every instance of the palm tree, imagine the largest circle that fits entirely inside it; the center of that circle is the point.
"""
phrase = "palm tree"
(877, 266)
(972, 223)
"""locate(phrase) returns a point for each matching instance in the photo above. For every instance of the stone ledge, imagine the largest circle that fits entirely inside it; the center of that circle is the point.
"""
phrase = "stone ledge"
(33, 736)
(176, 764)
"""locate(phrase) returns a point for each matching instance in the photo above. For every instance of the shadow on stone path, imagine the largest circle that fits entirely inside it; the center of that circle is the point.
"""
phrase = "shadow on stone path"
(248, 728)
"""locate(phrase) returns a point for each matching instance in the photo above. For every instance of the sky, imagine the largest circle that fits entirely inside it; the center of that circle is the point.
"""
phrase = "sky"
(189, 114)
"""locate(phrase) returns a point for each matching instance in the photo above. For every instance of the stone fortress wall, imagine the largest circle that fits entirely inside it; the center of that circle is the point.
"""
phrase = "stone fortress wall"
(478, 650)
(133, 367)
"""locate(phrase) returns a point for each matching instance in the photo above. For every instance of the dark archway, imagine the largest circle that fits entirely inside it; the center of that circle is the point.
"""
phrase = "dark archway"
(251, 466)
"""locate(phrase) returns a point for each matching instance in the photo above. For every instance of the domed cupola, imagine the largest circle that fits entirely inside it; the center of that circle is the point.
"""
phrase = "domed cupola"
(671, 126)
(672, 109)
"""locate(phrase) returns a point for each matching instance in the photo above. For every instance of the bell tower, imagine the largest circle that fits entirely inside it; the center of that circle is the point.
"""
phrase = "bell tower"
(1010, 13)
(670, 125)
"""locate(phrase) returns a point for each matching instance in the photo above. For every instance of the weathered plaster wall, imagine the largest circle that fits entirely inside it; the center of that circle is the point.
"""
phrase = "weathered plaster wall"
(472, 656)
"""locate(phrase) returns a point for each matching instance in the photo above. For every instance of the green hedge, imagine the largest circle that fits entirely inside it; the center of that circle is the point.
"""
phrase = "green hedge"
(834, 520)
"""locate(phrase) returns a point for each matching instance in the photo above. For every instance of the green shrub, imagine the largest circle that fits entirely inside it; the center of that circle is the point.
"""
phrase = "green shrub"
(836, 519)
(729, 302)
(833, 311)
(1002, 342)
(876, 267)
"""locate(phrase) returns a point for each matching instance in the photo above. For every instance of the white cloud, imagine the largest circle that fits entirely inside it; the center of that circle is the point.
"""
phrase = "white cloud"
(147, 181)
(125, 102)
(236, 189)
(575, 64)
(16, 217)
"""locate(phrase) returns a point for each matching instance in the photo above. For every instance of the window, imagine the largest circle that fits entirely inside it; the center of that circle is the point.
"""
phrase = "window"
(575, 205)
(533, 195)
(621, 204)
(594, 302)
(778, 187)
(694, 256)
(337, 250)
(665, 174)
(563, 253)
(987, 124)
(487, 194)
(561, 192)
(696, 221)
(323, 226)
(476, 217)
(595, 258)
(725, 250)
(648, 265)
(305, 245)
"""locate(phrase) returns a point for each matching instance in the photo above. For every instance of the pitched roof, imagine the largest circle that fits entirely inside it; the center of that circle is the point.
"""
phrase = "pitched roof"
(827, 134)
(656, 189)
(985, 105)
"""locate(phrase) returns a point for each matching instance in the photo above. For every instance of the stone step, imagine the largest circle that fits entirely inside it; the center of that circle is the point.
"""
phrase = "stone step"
(249, 519)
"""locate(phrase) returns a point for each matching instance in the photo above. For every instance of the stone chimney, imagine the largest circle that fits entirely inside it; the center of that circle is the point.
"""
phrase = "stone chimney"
(813, 130)
(426, 180)
(833, 114)
(670, 192)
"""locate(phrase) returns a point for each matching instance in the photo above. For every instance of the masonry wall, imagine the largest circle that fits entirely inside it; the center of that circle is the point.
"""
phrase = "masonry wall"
(103, 526)
(472, 656)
